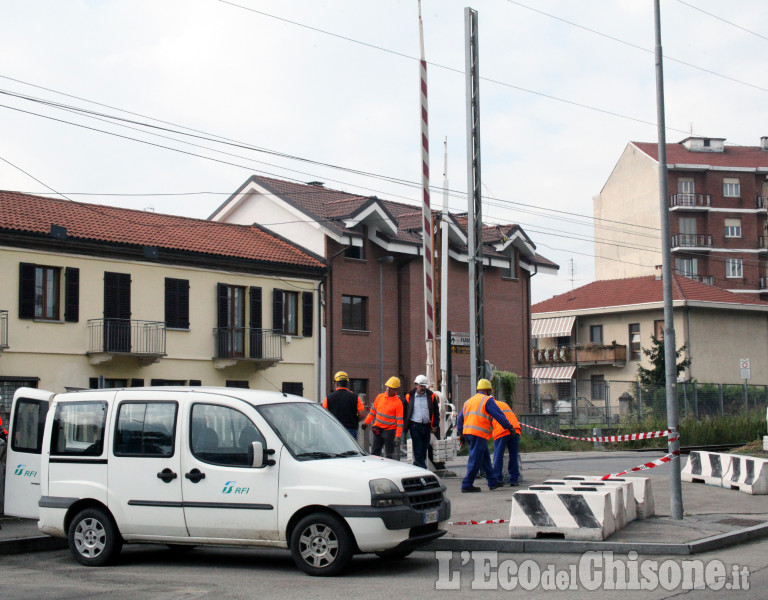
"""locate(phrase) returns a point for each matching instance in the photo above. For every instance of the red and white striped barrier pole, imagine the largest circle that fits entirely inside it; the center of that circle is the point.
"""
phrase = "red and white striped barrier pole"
(427, 224)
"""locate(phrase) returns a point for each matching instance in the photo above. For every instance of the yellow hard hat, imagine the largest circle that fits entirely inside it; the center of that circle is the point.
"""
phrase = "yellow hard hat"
(484, 384)
(341, 376)
(393, 382)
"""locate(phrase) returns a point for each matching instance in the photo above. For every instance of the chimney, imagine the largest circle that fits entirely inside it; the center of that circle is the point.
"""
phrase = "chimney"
(658, 272)
(764, 143)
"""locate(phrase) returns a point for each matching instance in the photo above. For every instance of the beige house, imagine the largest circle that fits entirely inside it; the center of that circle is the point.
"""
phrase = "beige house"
(596, 334)
(95, 296)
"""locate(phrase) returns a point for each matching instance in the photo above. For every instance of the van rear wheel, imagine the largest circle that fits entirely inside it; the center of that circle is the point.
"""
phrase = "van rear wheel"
(93, 538)
(321, 545)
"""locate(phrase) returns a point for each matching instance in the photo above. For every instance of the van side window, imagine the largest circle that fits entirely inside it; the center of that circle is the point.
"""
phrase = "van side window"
(28, 425)
(78, 429)
(145, 429)
(222, 435)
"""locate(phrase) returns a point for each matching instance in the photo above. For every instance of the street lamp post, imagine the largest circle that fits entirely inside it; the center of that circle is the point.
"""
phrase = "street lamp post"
(382, 260)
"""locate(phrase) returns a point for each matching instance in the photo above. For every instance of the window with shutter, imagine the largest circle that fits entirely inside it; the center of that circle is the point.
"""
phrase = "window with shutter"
(306, 314)
(176, 303)
(26, 291)
(117, 312)
(277, 310)
(71, 295)
(256, 348)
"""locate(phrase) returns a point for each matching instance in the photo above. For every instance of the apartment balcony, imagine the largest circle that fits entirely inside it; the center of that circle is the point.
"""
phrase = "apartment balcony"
(3, 330)
(762, 243)
(588, 354)
(234, 345)
(689, 201)
(761, 203)
(699, 241)
(763, 283)
(108, 338)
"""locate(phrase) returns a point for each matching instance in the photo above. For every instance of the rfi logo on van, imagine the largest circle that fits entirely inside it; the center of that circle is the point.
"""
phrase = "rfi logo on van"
(230, 488)
(24, 472)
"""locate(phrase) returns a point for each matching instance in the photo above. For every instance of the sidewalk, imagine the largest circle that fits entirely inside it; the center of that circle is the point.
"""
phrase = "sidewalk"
(713, 517)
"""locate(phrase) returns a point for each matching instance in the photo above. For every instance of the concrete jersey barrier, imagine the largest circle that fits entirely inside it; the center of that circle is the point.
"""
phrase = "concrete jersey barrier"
(641, 487)
(747, 474)
(576, 514)
(624, 513)
(706, 467)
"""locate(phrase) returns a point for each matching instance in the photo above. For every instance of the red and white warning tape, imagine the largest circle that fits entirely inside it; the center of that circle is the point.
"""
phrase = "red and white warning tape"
(486, 522)
(649, 465)
(609, 438)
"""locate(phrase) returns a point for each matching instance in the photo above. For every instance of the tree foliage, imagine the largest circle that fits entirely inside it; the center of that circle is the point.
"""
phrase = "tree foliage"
(656, 376)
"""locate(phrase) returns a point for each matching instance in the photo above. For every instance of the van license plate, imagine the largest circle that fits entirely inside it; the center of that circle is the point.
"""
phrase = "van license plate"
(430, 517)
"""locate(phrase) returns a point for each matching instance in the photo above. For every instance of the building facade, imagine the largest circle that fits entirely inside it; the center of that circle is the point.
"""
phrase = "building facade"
(718, 211)
(597, 334)
(374, 293)
(96, 296)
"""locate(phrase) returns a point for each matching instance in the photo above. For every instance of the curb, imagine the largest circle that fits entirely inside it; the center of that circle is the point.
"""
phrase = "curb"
(38, 543)
(44, 543)
(715, 542)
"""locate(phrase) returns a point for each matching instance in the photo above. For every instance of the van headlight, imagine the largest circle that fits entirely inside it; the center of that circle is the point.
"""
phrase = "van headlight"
(385, 493)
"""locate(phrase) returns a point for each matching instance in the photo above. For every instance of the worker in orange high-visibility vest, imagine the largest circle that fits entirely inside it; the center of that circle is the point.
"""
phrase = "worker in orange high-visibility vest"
(503, 440)
(387, 418)
(475, 424)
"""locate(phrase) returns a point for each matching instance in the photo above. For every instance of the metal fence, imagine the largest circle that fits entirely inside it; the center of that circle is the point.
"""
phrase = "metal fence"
(593, 402)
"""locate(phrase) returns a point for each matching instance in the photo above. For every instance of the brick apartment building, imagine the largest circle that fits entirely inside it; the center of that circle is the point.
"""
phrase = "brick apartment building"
(718, 214)
(371, 244)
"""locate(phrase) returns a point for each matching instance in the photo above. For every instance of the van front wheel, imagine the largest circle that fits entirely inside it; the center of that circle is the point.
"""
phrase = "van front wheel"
(93, 538)
(321, 545)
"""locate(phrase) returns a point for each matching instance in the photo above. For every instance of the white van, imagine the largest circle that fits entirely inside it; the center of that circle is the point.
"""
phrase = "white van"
(224, 466)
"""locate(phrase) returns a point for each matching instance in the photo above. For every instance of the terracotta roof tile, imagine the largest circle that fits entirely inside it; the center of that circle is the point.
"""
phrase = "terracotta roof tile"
(638, 290)
(25, 212)
(732, 156)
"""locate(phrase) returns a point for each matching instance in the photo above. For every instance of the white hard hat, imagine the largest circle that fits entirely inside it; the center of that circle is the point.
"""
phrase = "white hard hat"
(421, 380)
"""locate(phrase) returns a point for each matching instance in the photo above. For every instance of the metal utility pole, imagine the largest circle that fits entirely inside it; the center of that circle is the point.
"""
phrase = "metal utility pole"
(444, 336)
(670, 358)
(474, 199)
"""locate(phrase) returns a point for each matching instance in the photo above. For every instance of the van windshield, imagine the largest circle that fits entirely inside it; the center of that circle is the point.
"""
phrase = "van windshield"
(309, 431)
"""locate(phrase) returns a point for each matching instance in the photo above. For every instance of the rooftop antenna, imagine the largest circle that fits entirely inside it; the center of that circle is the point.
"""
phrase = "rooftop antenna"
(572, 279)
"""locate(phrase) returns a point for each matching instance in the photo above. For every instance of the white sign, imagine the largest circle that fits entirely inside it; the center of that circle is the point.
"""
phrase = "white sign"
(459, 339)
(744, 366)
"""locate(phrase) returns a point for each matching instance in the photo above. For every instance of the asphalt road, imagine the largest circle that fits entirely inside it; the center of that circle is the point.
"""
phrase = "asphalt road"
(145, 572)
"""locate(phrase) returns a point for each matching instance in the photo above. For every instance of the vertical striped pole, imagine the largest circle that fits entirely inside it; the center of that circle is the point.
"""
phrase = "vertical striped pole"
(428, 230)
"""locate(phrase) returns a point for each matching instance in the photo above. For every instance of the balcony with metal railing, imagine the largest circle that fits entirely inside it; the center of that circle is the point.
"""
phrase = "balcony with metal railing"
(3, 330)
(108, 338)
(763, 283)
(233, 345)
(692, 240)
(762, 243)
(761, 203)
(588, 354)
(690, 201)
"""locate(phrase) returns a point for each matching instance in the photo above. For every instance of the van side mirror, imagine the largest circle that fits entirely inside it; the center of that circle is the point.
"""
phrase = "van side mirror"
(259, 461)
(257, 450)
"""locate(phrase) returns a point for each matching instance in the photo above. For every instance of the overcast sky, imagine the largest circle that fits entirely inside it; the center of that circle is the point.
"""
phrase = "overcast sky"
(565, 85)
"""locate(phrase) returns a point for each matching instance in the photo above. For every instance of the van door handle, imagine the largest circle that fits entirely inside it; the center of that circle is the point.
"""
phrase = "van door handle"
(195, 475)
(167, 475)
